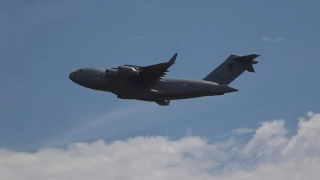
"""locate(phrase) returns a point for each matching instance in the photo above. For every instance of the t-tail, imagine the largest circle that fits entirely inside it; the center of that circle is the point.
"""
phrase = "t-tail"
(231, 68)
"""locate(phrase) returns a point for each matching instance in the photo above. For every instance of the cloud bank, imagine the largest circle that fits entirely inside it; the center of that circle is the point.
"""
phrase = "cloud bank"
(271, 153)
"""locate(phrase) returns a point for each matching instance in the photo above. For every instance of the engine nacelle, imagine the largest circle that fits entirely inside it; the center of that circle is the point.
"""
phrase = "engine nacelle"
(127, 71)
(111, 73)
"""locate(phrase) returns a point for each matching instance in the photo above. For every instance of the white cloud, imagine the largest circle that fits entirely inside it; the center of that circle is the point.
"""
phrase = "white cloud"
(267, 139)
(270, 154)
(270, 39)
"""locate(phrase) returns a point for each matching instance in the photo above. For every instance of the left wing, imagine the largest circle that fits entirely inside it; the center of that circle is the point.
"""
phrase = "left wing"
(153, 72)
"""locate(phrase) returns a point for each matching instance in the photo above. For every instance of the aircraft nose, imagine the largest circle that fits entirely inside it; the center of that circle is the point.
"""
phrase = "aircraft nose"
(71, 76)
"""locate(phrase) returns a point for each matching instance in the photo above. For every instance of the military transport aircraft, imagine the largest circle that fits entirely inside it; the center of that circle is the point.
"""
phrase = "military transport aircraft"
(148, 83)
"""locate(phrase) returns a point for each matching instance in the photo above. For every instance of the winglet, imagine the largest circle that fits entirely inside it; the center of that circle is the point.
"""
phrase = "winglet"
(173, 59)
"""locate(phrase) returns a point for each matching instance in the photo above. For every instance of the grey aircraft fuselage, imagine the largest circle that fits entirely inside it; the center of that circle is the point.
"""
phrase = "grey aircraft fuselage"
(163, 89)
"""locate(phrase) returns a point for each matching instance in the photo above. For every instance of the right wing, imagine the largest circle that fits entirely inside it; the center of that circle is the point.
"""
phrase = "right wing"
(152, 73)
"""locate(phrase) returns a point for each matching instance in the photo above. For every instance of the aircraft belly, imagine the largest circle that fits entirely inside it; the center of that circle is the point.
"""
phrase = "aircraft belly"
(185, 90)
(190, 95)
(126, 90)
(160, 91)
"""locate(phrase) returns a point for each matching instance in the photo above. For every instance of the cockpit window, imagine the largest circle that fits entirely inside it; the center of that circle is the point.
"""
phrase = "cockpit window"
(79, 70)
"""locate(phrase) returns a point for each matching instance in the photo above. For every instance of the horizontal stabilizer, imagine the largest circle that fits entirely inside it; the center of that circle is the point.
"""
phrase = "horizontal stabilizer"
(248, 59)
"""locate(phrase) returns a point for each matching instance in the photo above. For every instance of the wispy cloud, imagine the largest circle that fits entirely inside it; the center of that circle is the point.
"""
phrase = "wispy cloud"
(242, 131)
(189, 131)
(112, 122)
(270, 39)
(270, 154)
(237, 132)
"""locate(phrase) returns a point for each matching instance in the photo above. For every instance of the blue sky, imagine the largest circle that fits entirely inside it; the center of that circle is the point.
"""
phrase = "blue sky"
(41, 42)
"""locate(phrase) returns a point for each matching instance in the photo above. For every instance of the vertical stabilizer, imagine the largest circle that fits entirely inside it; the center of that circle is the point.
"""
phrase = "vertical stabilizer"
(231, 68)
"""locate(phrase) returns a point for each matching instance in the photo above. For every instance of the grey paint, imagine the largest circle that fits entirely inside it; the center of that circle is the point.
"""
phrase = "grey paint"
(148, 83)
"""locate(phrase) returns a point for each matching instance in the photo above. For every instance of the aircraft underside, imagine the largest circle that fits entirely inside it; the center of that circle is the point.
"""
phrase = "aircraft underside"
(155, 97)
(165, 100)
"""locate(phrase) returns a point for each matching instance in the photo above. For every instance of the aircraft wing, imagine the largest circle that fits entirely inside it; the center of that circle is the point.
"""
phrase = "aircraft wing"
(153, 72)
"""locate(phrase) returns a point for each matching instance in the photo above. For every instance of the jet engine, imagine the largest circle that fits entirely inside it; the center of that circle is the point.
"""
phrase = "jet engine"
(127, 71)
(111, 73)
